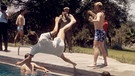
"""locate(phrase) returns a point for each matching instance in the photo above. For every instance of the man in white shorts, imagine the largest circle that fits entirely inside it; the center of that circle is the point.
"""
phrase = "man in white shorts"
(56, 46)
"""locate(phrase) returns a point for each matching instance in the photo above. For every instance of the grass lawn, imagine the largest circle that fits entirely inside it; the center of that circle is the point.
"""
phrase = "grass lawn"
(120, 55)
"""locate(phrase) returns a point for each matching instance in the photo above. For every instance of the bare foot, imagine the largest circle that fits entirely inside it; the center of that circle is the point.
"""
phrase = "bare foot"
(74, 64)
(92, 65)
(105, 64)
(14, 44)
(70, 51)
(72, 19)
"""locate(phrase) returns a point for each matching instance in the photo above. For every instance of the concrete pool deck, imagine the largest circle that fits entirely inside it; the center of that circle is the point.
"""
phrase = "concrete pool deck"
(61, 68)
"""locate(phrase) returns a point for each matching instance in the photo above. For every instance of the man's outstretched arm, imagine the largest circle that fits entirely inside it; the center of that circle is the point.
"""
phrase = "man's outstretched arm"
(25, 60)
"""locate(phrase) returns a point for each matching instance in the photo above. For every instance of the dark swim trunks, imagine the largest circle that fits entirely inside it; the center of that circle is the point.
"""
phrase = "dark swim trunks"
(99, 35)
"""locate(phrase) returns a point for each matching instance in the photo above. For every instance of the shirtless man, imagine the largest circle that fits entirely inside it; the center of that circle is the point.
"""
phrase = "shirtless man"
(98, 20)
(20, 22)
(29, 68)
(55, 46)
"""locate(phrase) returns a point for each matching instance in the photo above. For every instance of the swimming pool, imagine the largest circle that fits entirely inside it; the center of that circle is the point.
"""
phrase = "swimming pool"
(9, 70)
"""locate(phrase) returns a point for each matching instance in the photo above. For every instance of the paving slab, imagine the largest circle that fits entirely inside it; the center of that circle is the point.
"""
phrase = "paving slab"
(61, 68)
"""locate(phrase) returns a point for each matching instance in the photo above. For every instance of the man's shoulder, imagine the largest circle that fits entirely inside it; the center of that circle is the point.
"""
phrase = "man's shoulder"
(70, 15)
(100, 14)
(32, 63)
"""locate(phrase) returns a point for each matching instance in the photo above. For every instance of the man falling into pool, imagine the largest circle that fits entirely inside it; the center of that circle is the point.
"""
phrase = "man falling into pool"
(55, 46)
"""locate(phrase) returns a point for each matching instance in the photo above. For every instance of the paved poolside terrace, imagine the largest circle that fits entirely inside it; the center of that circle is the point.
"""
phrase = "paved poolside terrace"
(61, 68)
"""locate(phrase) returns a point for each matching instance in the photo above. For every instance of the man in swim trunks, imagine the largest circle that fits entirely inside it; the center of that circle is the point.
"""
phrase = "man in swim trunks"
(56, 46)
(98, 20)
(20, 22)
(29, 68)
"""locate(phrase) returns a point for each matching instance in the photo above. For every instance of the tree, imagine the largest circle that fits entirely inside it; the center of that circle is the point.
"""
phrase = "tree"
(42, 13)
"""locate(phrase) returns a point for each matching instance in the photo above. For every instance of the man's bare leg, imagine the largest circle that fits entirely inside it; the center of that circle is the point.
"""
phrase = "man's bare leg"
(103, 52)
(55, 30)
(21, 36)
(68, 60)
(62, 31)
(96, 53)
(61, 35)
(16, 36)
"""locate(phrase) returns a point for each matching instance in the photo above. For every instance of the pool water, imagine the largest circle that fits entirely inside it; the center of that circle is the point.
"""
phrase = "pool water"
(8, 70)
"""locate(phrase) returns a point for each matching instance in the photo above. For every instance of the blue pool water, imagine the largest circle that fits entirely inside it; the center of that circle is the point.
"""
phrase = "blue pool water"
(8, 70)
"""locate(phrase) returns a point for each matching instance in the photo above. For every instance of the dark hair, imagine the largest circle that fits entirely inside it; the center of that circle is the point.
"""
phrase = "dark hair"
(105, 73)
(3, 7)
(33, 37)
(26, 55)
